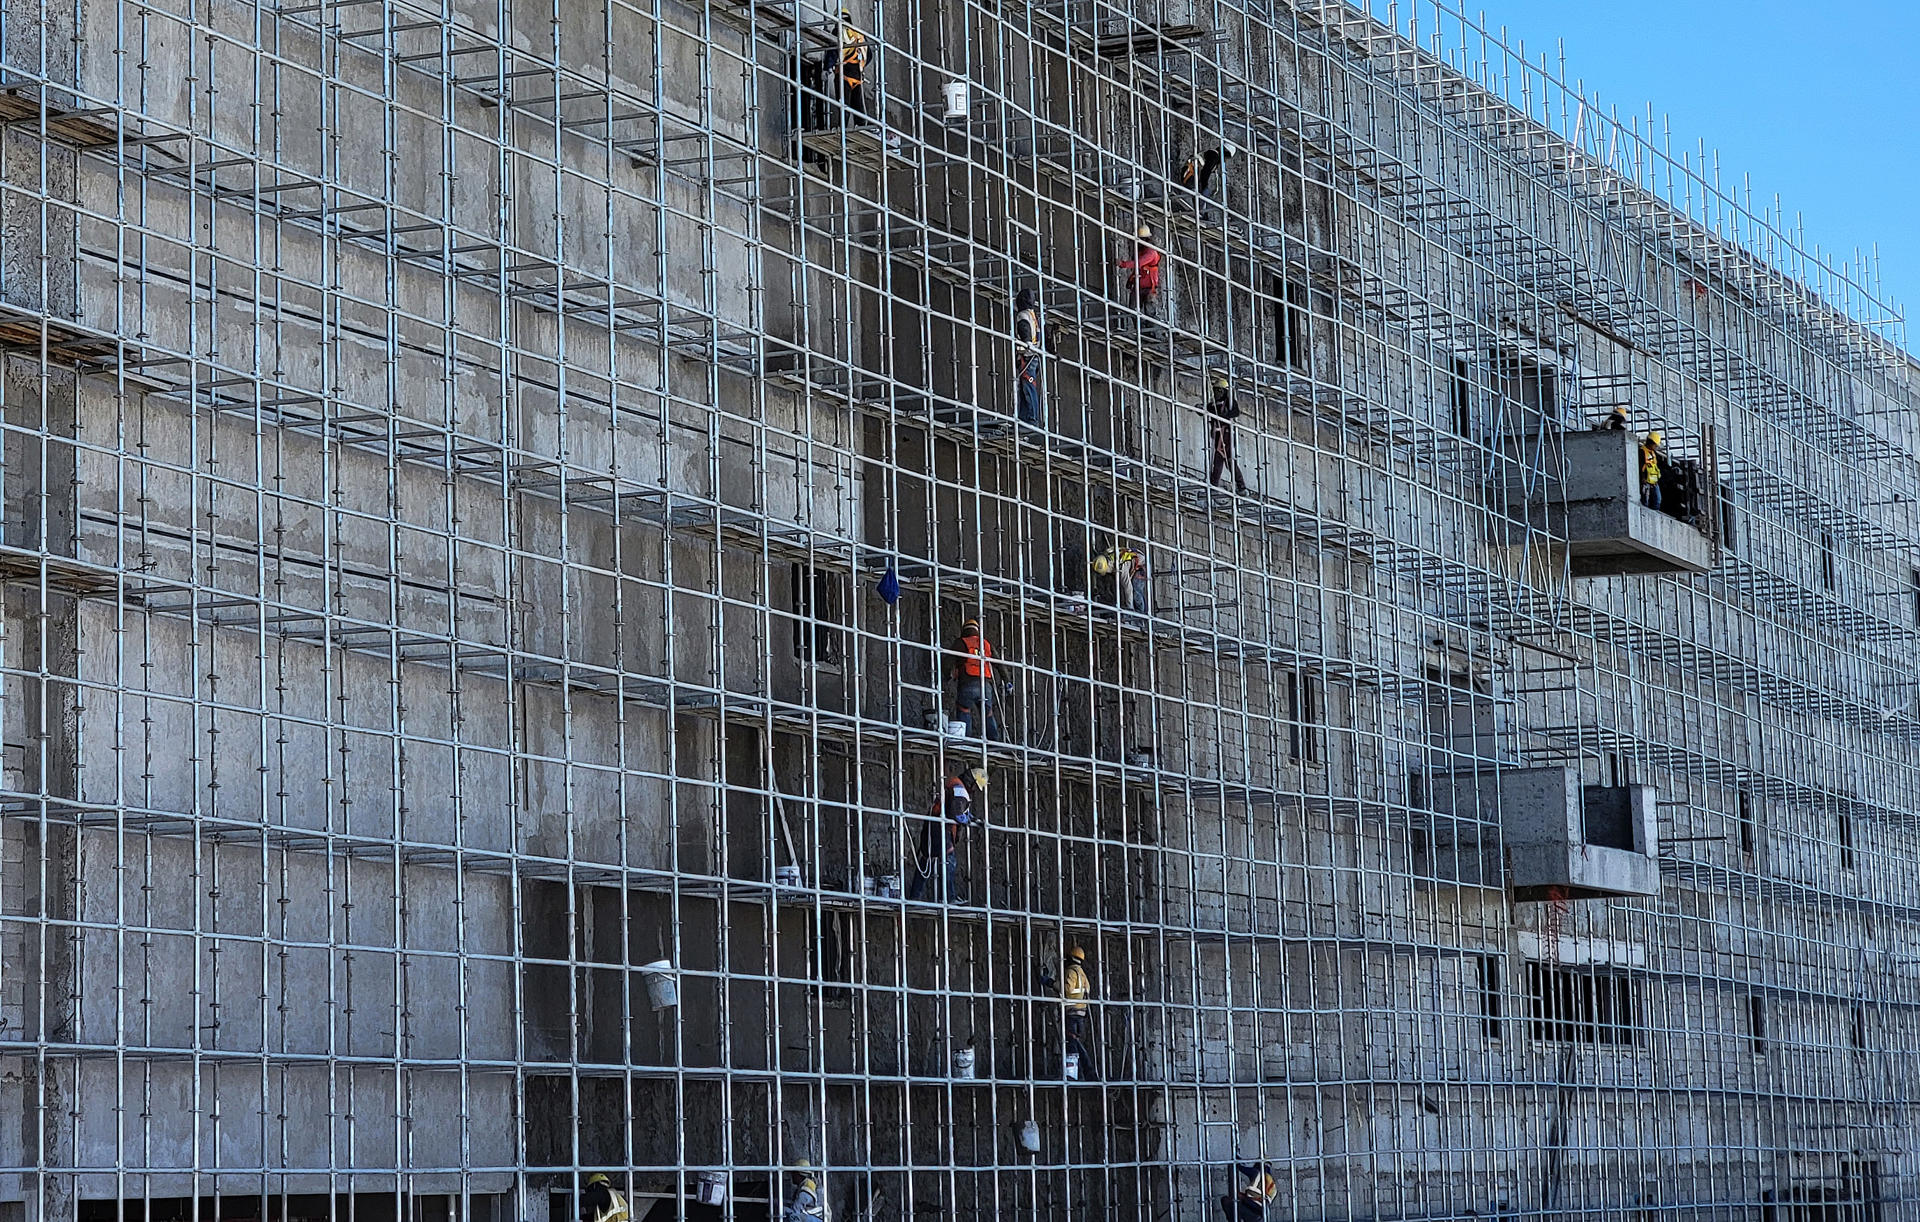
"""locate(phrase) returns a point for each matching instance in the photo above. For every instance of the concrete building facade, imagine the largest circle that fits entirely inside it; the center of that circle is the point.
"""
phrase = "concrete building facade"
(493, 492)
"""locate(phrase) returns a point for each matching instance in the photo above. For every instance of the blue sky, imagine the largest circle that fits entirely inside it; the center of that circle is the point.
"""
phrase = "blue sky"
(1817, 103)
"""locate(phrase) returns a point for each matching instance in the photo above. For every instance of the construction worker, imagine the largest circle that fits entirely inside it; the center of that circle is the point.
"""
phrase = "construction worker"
(972, 672)
(1616, 422)
(1128, 569)
(1027, 349)
(600, 1203)
(808, 1203)
(1199, 172)
(1145, 266)
(1076, 989)
(1653, 461)
(937, 876)
(853, 64)
(1250, 1204)
(1222, 412)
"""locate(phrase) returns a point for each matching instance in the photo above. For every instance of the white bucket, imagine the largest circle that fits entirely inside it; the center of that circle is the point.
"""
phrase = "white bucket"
(786, 876)
(958, 106)
(1073, 1067)
(890, 886)
(963, 1064)
(662, 991)
(956, 729)
(712, 1189)
(1030, 1137)
(868, 886)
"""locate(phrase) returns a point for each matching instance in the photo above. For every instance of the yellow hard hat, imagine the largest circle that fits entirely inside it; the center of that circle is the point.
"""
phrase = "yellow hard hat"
(1146, 231)
(597, 1178)
(1656, 437)
(978, 776)
(1076, 954)
(1103, 564)
(1219, 381)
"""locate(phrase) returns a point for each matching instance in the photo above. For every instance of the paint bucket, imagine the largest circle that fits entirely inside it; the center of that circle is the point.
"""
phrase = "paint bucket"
(956, 729)
(1073, 1067)
(890, 886)
(933, 719)
(963, 1064)
(958, 106)
(868, 886)
(786, 876)
(1030, 1137)
(712, 1189)
(662, 991)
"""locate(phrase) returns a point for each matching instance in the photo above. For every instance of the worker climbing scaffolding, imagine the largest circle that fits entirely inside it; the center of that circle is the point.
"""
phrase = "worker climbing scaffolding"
(1222, 411)
(955, 813)
(1202, 170)
(971, 669)
(1143, 281)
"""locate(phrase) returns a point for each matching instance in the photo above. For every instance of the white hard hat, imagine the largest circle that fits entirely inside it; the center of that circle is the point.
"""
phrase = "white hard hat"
(1228, 150)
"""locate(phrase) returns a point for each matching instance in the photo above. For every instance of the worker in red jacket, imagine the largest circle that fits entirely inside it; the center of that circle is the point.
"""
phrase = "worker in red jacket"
(1145, 266)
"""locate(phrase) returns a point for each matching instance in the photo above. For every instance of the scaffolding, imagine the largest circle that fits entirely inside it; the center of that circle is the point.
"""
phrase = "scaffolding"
(492, 495)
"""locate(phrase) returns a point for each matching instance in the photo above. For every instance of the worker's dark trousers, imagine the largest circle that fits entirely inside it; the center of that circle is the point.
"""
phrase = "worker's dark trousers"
(852, 90)
(1079, 1029)
(1223, 456)
(1032, 405)
(976, 706)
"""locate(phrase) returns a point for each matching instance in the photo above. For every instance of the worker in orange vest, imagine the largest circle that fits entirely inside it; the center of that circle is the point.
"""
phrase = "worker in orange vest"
(972, 671)
(937, 876)
(853, 64)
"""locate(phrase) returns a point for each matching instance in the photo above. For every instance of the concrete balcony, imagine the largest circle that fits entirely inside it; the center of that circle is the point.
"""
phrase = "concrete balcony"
(1597, 509)
(1561, 839)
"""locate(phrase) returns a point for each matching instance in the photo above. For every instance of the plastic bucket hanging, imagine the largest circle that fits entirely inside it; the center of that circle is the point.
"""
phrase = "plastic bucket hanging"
(958, 104)
(663, 990)
(1030, 1137)
(786, 876)
(1073, 1067)
(712, 1189)
(963, 1064)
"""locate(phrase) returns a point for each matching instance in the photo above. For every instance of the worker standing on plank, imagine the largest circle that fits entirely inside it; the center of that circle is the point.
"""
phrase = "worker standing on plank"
(1652, 463)
(972, 672)
(1223, 411)
(1616, 422)
(853, 64)
(1145, 269)
(1027, 346)
(937, 876)
(600, 1203)
(1076, 989)
(1250, 1205)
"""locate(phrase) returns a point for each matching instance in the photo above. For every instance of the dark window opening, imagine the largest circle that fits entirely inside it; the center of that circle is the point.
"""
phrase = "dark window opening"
(1829, 578)
(1462, 398)
(1607, 817)
(1303, 720)
(1729, 516)
(1757, 1024)
(1860, 1189)
(1582, 1007)
(1843, 832)
(1916, 597)
(1293, 324)
(1857, 1027)
(1530, 388)
(819, 609)
(1492, 1006)
(1746, 822)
